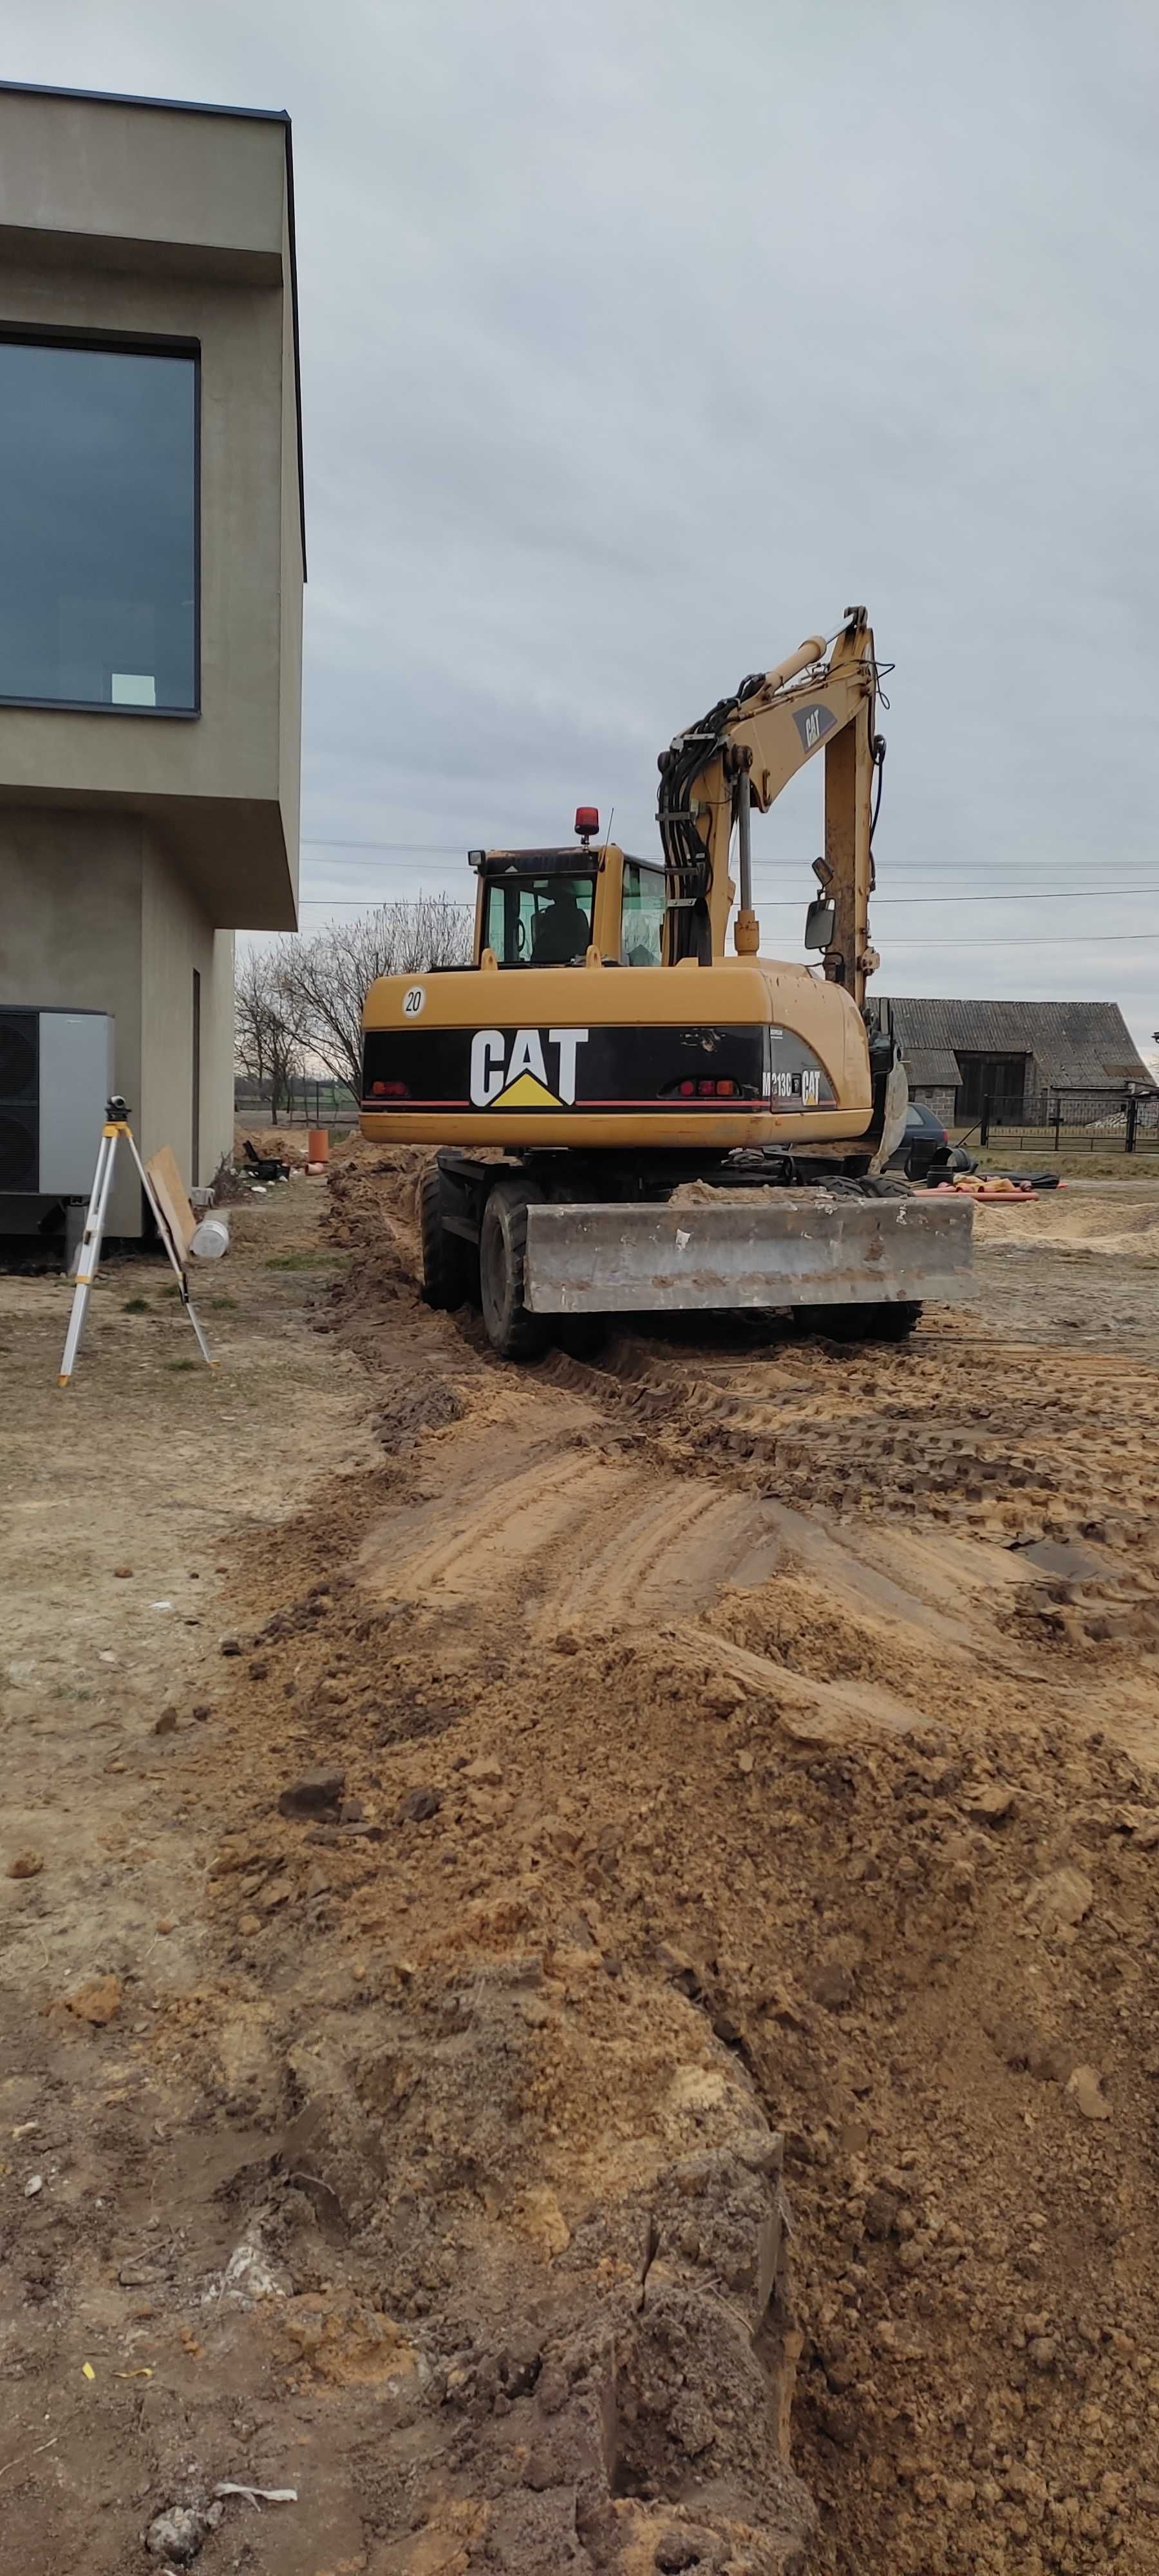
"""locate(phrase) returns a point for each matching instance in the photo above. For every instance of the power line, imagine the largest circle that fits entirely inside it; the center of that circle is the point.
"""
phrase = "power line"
(1110, 938)
(402, 854)
(791, 903)
(435, 849)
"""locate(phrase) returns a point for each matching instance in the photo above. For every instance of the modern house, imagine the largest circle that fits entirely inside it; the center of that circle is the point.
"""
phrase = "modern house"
(1016, 1056)
(153, 553)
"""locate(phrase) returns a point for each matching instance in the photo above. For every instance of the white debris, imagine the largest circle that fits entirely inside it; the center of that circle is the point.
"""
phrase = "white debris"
(267, 2495)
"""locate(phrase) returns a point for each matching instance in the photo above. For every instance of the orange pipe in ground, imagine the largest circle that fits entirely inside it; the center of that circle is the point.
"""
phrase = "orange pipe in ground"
(318, 1145)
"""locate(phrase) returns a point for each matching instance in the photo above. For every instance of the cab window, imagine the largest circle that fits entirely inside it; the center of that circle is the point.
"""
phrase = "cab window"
(538, 921)
(642, 916)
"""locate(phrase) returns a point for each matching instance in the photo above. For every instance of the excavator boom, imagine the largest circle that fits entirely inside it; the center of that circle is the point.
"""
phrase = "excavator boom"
(745, 751)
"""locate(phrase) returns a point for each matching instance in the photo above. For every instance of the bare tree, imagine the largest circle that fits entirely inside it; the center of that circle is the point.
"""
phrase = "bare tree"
(329, 976)
(269, 1037)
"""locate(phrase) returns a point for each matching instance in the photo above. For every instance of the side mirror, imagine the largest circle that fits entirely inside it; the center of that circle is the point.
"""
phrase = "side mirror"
(820, 923)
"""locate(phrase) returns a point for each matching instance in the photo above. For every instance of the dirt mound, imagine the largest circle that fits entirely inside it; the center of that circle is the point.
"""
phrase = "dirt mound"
(1112, 1225)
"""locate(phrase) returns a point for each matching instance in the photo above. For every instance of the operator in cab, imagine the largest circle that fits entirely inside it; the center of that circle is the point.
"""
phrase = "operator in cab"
(562, 929)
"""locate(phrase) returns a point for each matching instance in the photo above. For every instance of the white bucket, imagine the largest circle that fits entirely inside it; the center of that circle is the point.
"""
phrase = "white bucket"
(210, 1239)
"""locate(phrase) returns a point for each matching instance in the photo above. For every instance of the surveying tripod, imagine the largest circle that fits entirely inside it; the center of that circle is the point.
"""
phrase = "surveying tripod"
(88, 1261)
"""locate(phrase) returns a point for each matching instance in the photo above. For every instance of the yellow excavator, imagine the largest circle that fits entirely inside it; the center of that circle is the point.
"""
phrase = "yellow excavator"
(677, 1127)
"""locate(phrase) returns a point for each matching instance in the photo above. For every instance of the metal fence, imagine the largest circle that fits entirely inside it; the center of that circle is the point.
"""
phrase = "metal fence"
(309, 1104)
(1117, 1118)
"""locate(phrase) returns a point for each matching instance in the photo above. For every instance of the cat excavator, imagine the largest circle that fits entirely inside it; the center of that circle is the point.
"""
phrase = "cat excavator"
(627, 1117)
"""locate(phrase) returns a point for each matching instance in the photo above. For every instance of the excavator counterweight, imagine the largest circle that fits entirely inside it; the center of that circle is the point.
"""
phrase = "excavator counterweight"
(681, 1125)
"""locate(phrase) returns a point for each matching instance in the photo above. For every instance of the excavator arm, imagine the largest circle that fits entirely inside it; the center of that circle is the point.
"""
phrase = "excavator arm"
(742, 754)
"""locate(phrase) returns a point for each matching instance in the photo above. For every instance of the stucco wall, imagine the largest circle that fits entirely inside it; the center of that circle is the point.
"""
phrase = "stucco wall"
(176, 939)
(70, 939)
(217, 1018)
(93, 916)
(115, 176)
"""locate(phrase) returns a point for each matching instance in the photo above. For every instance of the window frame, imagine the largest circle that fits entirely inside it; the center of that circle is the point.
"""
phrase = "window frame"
(645, 868)
(523, 881)
(130, 344)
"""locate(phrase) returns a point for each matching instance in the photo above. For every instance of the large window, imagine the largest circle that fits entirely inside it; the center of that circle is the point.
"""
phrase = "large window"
(98, 526)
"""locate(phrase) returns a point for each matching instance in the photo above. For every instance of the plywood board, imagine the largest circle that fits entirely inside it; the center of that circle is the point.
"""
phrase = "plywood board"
(171, 1199)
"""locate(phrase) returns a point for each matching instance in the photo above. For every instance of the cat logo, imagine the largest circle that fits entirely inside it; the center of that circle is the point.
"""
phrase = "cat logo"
(813, 723)
(810, 1090)
(509, 1068)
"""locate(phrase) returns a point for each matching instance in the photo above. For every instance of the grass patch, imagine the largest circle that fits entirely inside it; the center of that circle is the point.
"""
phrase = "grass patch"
(300, 1261)
(135, 1306)
(172, 1290)
(175, 1365)
(218, 1305)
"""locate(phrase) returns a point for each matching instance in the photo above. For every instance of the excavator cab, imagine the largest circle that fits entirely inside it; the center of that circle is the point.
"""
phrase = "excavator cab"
(551, 907)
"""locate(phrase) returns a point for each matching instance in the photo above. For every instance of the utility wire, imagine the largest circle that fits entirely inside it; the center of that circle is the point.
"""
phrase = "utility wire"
(791, 903)
(1110, 938)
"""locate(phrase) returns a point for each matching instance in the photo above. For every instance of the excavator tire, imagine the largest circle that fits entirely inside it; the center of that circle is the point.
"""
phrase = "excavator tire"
(511, 1330)
(448, 1262)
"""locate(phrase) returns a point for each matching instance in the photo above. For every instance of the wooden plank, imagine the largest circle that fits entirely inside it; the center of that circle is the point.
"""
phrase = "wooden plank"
(174, 1205)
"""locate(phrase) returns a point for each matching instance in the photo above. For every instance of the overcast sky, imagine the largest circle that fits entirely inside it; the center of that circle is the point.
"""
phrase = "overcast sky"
(641, 336)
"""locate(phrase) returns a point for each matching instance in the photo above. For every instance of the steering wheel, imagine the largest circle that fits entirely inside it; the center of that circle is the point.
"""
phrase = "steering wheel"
(520, 936)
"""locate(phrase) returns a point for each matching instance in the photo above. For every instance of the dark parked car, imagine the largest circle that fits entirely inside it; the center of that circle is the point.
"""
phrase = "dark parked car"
(925, 1152)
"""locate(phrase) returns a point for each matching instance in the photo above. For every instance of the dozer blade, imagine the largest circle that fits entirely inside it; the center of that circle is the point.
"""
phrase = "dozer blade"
(783, 1248)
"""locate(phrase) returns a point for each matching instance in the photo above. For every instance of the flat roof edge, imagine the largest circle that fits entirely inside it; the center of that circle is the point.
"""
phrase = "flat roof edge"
(134, 98)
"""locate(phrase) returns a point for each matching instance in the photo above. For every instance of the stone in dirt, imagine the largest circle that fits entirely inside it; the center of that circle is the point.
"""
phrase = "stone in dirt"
(833, 1984)
(316, 1793)
(990, 1804)
(418, 1806)
(180, 2534)
(27, 1864)
(166, 1724)
(1062, 1899)
(97, 2002)
(1142, 1822)
(1085, 2091)
(722, 1698)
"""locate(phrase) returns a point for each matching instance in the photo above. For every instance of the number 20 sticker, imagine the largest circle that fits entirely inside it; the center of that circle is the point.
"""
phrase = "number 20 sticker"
(412, 1001)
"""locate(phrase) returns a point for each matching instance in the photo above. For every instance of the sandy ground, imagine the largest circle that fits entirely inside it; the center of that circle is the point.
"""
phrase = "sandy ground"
(677, 2087)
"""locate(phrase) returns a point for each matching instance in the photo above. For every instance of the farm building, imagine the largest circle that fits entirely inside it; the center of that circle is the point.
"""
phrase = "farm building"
(1015, 1055)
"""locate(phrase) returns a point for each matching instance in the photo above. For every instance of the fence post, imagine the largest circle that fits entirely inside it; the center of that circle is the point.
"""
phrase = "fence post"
(1132, 1122)
(1057, 1119)
(984, 1129)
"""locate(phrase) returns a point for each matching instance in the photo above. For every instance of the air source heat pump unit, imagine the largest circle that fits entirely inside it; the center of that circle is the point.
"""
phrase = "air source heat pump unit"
(56, 1073)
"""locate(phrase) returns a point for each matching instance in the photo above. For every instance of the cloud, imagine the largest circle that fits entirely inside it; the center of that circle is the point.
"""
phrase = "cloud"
(638, 339)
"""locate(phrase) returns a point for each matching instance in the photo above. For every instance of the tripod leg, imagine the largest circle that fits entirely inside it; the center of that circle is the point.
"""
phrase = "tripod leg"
(90, 1251)
(170, 1247)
